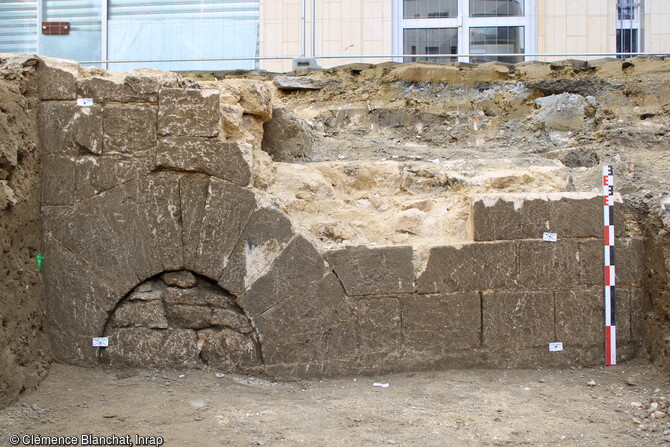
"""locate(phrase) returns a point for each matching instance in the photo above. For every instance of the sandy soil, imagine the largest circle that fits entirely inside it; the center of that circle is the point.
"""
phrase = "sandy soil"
(448, 408)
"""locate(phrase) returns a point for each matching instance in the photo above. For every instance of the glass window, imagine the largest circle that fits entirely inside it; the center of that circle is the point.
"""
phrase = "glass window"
(430, 9)
(497, 40)
(626, 9)
(18, 26)
(430, 41)
(626, 42)
(496, 8)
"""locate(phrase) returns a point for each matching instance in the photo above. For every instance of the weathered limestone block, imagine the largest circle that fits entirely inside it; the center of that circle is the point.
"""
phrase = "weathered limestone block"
(182, 279)
(532, 70)
(57, 78)
(374, 271)
(77, 300)
(148, 81)
(95, 174)
(254, 96)
(266, 234)
(163, 348)
(490, 72)
(518, 319)
(528, 215)
(58, 180)
(139, 313)
(229, 350)
(629, 261)
(198, 297)
(147, 291)
(380, 324)
(335, 341)
(56, 128)
(129, 129)
(72, 347)
(563, 112)
(110, 89)
(549, 264)
(231, 319)
(211, 156)
(226, 213)
(190, 113)
(291, 273)
(189, 317)
(476, 266)
(441, 323)
(286, 137)
(297, 83)
(316, 306)
(193, 191)
(86, 234)
(160, 219)
(122, 213)
(580, 320)
(427, 73)
(88, 129)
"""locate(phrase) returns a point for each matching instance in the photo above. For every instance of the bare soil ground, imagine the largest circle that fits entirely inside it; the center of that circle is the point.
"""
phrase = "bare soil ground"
(447, 408)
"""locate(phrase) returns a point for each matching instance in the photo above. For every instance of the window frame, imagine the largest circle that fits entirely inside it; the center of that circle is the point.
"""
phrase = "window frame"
(463, 22)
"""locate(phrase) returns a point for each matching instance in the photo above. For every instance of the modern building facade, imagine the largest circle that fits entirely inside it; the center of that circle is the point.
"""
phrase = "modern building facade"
(226, 34)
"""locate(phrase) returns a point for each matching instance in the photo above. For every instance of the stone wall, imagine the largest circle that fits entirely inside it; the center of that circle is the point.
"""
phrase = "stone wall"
(24, 347)
(155, 236)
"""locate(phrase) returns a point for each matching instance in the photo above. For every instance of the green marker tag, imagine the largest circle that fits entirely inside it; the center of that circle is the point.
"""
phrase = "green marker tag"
(40, 259)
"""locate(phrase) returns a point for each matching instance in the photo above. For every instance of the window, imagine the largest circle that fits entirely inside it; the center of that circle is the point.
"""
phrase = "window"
(628, 27)
(431, 41)
(496, 39)
(474, 27)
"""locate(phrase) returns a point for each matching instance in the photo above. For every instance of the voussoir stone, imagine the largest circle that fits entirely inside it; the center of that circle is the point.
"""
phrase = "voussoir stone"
(225, 215)
(298, 266)
(58, 180)
(188, 112)
(475, 266)
(374, 271)
(222, 159)
(193, 191)
(266, 234)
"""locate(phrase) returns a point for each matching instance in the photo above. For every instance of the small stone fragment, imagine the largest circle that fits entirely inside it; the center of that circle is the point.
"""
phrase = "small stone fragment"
(591, 383)
(658, 415)
(182, 279)
(631, 381)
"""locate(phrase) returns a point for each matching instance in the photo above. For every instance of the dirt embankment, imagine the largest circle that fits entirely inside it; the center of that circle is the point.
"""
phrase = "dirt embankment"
(24, 349)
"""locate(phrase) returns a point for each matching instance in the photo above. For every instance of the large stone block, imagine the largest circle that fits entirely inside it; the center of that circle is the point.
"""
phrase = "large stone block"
(223, 159)
(579, 317)
(110, 89)
(147, 348)
(57, 78)
(630, 259)
(139, 313)
(639, 304)
(337, 341)
(318, 305)
(518, 319)
(528, 215)
(291, 273)
(428, 73)
(57, 127)
(193, 192)
(226, 213)
(265, 236)
(189, 113)
(58, 180)
(129, 129)
(96, 174)
(229, 350)
(374, 271)
(77, 300)
(475, 266)
(160, 219)
(441, 323)
(255, 97)
(148, 81)
(380, 325)
(87, 133)
(287, 137)
(72, 347)
(549, 265)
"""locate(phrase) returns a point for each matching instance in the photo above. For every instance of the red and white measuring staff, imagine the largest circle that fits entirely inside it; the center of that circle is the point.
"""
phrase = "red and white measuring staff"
(609, 273)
